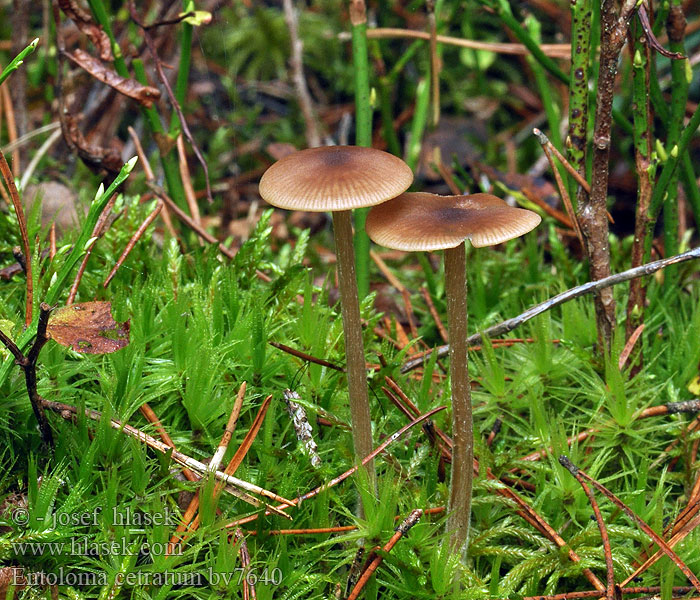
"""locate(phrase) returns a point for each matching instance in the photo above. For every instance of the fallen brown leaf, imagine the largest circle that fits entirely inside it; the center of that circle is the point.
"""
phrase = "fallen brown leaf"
(88, 327)
(143, 94)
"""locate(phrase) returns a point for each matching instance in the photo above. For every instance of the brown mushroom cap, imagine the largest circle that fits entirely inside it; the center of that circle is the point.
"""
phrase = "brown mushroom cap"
(334, 178)
(420, 221)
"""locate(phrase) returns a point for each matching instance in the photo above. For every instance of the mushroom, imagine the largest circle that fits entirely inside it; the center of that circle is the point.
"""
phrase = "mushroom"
(420, 221)
(339, 179)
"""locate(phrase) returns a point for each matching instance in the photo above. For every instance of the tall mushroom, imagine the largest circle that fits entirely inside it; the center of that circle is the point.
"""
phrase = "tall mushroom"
(338, 179)
(420, 221)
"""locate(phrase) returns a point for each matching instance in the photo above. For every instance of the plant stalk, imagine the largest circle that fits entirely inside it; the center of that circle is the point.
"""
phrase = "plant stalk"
(363, 130)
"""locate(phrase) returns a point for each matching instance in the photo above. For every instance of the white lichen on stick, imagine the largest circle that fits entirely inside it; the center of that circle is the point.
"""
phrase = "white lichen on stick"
(302, 427)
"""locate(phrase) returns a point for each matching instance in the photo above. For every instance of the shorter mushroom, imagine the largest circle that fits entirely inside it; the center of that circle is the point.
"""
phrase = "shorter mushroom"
(420, 221)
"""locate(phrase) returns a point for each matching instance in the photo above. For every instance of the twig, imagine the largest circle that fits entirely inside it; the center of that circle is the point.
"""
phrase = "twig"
(132, 242)
(178, 457)
(28, 365)
(248, 586)
(313, 139)
(576, 472)
(401, 530)
(592, 218)
(307, 357)
(10, 182)
(586, 288)
(190, 520)
(552, 50)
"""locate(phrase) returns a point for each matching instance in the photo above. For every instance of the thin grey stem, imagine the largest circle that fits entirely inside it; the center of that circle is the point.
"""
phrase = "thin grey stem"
(581, 290)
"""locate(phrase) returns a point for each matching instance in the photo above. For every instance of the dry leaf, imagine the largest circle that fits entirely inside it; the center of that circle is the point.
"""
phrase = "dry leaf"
(89, 328)
(143, 94)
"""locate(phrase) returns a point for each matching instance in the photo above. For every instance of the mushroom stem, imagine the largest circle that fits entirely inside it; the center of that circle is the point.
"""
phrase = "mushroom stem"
(354, 347)
(459, 506)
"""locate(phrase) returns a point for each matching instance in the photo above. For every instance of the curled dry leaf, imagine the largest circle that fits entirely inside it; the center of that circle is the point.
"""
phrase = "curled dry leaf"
(143, 94)
(88, 327)
(84, 21)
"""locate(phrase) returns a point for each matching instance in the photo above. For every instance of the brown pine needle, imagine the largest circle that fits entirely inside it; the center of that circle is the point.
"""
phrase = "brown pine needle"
(153, 419)
(229, 429)
(333, 482)
(132, 242)
(401, 530)
(575, 471)
(629, 346)
(190, 520)
(434, 313)
(548, 148)
(610, 590)
(97, 232)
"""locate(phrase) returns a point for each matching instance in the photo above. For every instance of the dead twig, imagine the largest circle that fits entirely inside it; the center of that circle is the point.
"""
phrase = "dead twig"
(233, 484)
(581, 290)
(28, 365)
(336, 480)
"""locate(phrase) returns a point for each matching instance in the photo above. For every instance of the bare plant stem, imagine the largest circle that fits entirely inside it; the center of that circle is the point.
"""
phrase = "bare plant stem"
(232, 484)
(551, 50)
(643, 162)
(354, 346)
(459, 505)
(592, 213)
(587, 288)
